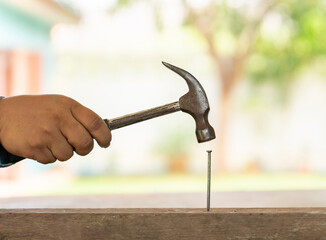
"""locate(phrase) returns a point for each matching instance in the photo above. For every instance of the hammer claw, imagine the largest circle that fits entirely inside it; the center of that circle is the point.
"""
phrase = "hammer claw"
(195, 103)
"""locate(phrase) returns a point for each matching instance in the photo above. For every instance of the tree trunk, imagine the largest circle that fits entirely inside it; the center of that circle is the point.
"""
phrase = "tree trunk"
(229, 70)
(222, 130)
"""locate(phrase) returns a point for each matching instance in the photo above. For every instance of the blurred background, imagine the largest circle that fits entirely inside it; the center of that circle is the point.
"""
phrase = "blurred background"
(262, 64)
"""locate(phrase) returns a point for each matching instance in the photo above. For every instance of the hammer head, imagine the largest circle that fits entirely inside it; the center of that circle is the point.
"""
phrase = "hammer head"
(195, 103)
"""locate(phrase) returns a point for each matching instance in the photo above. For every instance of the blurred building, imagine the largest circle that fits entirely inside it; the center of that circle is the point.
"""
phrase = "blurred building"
(25, 47)
(26, 58)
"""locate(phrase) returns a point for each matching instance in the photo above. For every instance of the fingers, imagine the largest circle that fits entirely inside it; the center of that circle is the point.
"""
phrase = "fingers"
(75, 133)
(93, 124)
(50, 145)
(78, 137)
(44, 156)
(60, 147)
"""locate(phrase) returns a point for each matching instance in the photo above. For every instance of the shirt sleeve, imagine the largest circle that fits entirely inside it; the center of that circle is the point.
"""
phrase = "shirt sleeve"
(4, 158)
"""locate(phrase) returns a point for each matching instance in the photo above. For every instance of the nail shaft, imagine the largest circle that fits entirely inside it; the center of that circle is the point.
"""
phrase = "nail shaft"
(209, 180)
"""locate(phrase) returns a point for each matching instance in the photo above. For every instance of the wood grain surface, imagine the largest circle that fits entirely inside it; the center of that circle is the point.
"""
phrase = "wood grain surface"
(235, 215)
(273, 223)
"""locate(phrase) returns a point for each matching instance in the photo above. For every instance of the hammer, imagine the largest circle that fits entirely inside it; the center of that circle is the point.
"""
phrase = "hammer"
(194, 102)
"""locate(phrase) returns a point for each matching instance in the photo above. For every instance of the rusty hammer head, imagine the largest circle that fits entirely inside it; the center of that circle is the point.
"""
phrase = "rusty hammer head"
(195, 103)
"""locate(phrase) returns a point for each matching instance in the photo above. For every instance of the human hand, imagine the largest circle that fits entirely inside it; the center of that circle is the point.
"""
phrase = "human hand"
(47, 128)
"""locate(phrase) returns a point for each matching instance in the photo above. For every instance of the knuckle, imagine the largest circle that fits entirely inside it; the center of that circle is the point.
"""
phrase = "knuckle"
(85, 152)
(51, 115)
(96, 123)
(55, 115)
(44, 136)
(62, 99)
(83, 144)
(46, 132)
(45, 159)
(86, 146)
(57, 111)
(35, 143)
(50, 160)
(65, 155)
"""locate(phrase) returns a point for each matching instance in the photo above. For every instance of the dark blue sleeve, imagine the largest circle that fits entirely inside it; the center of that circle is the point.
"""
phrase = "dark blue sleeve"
(7, 159)
(4, 158)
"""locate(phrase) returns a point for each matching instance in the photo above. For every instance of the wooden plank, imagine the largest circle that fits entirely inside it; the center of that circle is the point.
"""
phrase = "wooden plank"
(161, 224)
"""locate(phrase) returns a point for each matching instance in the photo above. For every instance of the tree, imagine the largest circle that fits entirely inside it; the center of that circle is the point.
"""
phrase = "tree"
(240, 25)
(241, 28)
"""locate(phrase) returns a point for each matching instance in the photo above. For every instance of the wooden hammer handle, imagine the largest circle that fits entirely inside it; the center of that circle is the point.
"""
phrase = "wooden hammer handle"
(142, 115)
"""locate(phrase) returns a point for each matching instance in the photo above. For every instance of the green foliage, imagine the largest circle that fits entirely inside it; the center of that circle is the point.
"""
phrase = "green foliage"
(303, 29)
(297, 38)
(124, 2)
(231, 19)
(120, 4)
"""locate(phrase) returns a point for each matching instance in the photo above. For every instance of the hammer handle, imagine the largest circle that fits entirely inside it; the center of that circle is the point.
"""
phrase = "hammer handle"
(142, 115)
